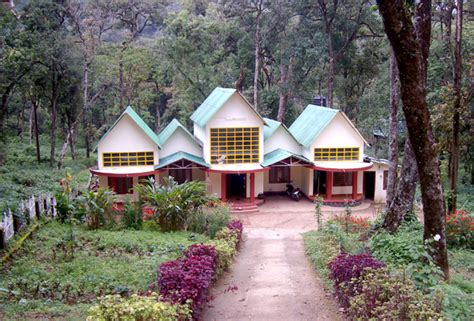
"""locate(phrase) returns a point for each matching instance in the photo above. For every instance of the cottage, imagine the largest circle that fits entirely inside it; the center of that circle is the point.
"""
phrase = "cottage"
(243, 156)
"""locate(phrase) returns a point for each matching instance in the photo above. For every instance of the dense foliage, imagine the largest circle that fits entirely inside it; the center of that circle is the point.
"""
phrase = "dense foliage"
(460, 229)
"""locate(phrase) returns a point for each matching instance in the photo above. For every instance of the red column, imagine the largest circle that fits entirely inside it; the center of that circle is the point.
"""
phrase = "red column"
(223, 187)
(252, 187)
(354, 185)
(329, 185)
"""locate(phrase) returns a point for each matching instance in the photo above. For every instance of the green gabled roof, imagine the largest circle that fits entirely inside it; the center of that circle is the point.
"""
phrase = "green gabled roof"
(214, 103)
(140, 123)
(280, 154)
(271, 126)
(311, 123)
(170, 159)
(168, 131)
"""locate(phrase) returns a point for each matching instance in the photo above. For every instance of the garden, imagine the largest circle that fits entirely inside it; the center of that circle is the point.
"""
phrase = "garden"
(376, 275)
(97, 263)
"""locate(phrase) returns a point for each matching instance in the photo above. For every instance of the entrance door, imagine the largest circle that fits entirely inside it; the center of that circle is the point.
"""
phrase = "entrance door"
(369, 185)
(236, 186)
(319, 183)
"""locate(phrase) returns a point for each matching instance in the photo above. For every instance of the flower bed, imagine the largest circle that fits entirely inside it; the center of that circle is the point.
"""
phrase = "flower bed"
(182, 283)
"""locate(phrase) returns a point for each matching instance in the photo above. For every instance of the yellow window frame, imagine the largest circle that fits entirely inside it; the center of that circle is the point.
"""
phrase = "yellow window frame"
(123, 159)
(241, 145)
(337, 154)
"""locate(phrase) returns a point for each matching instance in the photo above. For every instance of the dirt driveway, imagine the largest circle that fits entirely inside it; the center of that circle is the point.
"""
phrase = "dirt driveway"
(272, 279)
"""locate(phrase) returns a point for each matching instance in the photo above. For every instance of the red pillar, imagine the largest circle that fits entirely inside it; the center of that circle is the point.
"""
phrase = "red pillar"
(354, 185)
(252, 187)
(329, 185)
(223, 187)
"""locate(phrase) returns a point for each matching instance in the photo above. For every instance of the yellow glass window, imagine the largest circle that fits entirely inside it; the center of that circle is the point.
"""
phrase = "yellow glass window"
(336, 154)
(235, 145)
(128, 159)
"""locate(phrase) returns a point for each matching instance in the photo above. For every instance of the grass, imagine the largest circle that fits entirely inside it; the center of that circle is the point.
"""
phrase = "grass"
(43, 281)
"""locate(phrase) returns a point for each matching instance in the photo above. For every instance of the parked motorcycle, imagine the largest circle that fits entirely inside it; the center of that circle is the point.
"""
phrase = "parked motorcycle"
(294, 193)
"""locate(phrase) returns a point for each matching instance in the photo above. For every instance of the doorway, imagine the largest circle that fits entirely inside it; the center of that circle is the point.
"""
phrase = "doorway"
(319, 183)
(369, 185)
(236, 186)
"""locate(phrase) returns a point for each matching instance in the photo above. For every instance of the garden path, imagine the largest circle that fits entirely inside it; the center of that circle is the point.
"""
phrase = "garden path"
(271, 278)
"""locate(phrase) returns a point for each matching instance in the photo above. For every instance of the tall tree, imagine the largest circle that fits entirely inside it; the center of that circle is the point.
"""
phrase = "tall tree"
(457, 75)
(408, 50)
(393, 130)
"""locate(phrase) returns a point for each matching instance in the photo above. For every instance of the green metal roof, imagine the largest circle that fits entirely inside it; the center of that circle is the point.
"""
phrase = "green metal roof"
(140, 123)
(168, 131)
(311, 123)
(270, 128)
(281, 154)
(213, 103)
(170, 159)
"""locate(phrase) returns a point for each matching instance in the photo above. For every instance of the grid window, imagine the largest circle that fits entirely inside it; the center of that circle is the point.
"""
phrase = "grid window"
(342, 179)
(121, 185)
(279, 175)
(336, 154)
(235, 145)
(127, 159)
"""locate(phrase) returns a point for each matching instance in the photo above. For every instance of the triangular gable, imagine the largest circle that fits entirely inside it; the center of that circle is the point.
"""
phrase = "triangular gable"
(271, 127)
(138, 121)
(171, 128)
(214, 102)
(165, 161)
(313, 120)
(281, 154)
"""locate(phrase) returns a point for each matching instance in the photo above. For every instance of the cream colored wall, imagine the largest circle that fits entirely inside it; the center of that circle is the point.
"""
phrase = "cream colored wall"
(180, 142)
(307, 181)
(296, 173)
(214, 184)
(281, 139)
(348, 189)
(259, 184)
(380, 195)
(234, 113)
(338, 133)
(198, 175)
(126, 136)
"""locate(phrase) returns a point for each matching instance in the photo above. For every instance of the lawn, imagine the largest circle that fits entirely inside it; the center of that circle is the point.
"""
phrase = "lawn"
(43, 280)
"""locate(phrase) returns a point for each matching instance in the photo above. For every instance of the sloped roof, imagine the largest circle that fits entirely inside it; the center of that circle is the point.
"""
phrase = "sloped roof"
(165, 161)
(281, 154)
(271, 126)
(140, 123)
(168, 131)
(214, 103)
(311, 123)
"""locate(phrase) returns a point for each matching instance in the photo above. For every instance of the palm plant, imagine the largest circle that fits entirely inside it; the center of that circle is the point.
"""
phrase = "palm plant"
(173, 203)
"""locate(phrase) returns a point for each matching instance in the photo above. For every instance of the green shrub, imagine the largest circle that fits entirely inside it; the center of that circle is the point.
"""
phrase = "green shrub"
(150, 226)
(406, 250)
(132, 215)
(225, 254)
(97, 206)
(457, 304)
(136, 308)
(386, 296)
(209, 220)
(229, 236)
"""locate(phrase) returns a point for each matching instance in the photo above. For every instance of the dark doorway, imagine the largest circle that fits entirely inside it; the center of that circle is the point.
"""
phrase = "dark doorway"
(236, 186)
(319, 183)
(369, 185)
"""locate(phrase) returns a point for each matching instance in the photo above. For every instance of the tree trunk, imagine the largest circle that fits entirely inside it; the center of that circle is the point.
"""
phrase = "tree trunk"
(4, 104)
(257, 61)
(286, 72)
(454, 161)
(121, 81)
(38, 151)
(402, 201)
(85, 98)
(54, 114)
(30, 126)
(239, 84)
(412, 70)
(393, 131)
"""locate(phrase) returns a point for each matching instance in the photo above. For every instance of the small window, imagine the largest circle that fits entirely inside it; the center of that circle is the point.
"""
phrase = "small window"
(279, 175)
(121, 185)
(181, 175)
(385, 180)
(342, 179)
(145, 179)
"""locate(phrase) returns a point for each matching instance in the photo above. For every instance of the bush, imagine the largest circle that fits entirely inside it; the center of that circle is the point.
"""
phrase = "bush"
(406, 250)
(237, 227)
(379, 295)
(321, 248)
(460, 229)
(136, 308)
(346, 270)
(132, 215)
(209, 220)
(225, 254)
(173, 203)
(188, 279)
(457, 304)
(351, 223)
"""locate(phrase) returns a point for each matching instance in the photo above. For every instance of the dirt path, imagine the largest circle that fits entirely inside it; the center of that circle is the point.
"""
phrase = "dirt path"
(272, 279)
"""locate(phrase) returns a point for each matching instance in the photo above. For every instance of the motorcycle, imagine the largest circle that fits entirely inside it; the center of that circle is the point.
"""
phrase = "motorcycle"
(294, 193)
